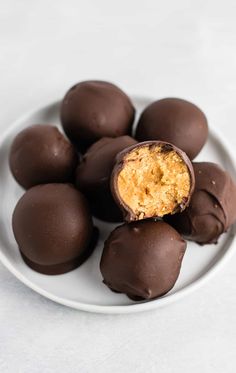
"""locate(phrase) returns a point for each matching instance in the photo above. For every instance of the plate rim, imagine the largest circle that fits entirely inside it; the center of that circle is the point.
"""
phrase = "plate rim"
(130, 308)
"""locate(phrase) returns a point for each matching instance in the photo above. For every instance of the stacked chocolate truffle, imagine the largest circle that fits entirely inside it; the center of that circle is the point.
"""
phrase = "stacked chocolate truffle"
(146, 182)
(51, 222)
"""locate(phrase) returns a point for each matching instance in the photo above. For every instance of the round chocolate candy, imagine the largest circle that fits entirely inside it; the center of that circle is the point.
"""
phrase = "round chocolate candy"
(53, 228)
(212, 209)
(152, 179)
(40, 154)
(176, 121)
(93, 176)
(142, 259)
(91, 110)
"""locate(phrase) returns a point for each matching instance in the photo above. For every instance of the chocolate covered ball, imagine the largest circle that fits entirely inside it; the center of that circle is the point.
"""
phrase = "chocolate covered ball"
(93, 176)
(152, 179)
(142, 259)
(40, 154)
(176, 121)
(53, 228)
(91, 110)
(212, 209)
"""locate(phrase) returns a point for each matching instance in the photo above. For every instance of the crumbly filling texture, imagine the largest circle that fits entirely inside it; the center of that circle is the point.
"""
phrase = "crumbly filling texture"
(153, 181)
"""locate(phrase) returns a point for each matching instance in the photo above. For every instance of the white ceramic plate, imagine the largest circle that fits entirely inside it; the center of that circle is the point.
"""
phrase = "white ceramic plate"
(83, 288)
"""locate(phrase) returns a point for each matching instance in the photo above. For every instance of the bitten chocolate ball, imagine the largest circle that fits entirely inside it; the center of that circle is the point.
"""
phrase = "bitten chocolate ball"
(93, 176)
(94, 109)
(176, 121)
(142, 259)
(53, 228)
(40, 154)
(152, 179)
(212, 209)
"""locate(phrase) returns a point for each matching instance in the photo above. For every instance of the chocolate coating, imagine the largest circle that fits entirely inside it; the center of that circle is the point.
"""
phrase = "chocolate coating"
(142, 259)
(53, 228)
(128, 213)
(40, 154)
(212, 209)
(93, 176)
(91, 110)
(176, 121)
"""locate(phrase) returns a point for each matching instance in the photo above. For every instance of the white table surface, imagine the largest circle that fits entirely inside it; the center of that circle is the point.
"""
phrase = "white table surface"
(157, 48)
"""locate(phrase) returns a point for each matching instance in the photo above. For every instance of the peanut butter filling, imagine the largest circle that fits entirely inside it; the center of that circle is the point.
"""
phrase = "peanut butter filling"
(153, 181)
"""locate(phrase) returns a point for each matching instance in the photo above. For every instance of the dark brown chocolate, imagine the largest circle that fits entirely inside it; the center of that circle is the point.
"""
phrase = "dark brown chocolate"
(40, 154)
(93, 176)
(176, 121)
(91, 110)
(131, 154)
(53, 228)
(212, 209)
(142, 259)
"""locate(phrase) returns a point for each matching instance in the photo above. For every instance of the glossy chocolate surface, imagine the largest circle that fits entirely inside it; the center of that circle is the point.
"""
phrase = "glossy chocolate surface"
(176, 121)
(91, 110)
(142, 259)
(53, 228)
(41, 154)
(212, 209)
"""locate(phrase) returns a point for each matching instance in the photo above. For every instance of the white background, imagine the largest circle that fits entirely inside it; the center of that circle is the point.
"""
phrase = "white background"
(156, 48)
